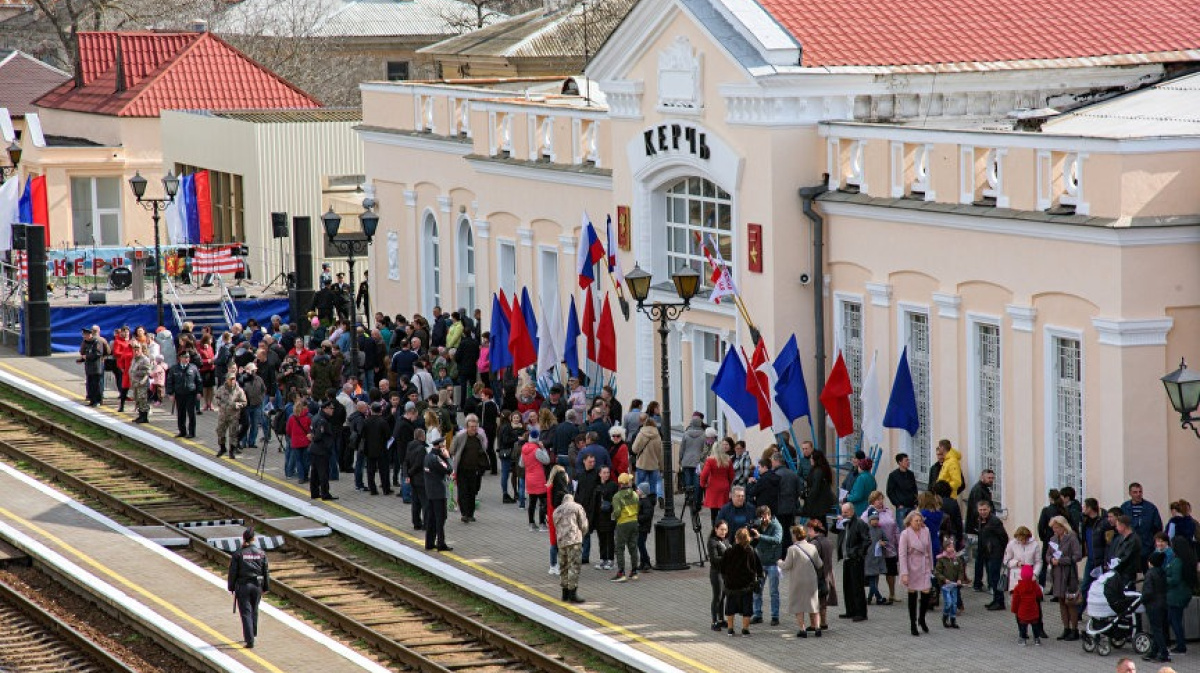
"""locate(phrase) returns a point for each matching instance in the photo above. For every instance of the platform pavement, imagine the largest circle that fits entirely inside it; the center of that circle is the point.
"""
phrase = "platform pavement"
(665, 613)
(164, 591)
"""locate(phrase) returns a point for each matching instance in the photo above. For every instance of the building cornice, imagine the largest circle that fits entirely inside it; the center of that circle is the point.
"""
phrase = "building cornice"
(881, 294)
(1142, 332)
(424, 143)
(947, 304)
(1074, 233)
(1022, 317)
(558, 176)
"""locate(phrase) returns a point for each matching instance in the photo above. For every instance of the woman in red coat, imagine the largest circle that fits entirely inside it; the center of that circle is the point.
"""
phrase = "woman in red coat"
(716, 477)
(123, 353)
(619, 453)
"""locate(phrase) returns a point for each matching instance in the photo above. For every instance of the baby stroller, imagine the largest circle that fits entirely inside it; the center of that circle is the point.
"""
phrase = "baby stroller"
(1112, 618)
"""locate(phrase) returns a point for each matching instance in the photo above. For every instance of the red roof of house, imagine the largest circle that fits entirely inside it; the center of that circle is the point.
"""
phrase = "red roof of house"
(23, 79)
(917, 32)
(169, 71)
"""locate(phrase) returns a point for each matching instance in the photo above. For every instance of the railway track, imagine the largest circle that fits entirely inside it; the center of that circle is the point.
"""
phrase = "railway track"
(32, 639)
(399, 622)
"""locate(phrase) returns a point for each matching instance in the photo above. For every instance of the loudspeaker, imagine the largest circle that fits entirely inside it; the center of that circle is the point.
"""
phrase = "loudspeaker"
(37, 306)
(300, 298)
(279, 228)
(237, 292)
(97, 298)
(18, 237)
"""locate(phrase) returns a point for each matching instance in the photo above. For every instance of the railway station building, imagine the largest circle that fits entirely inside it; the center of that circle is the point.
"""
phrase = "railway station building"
(1010, 211)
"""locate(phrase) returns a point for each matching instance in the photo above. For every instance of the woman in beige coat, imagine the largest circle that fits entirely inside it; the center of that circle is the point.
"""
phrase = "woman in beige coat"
(1022, 550)
(800, 566)
(647, 446)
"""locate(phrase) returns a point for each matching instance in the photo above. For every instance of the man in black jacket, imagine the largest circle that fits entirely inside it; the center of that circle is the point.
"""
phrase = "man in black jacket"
(466, 356)
(855, 543)
(980, 492)
(373, 439)
(413, 454)
(248, 578)
(320, 448)
(992, 541)
(437, 468)
(402, 434)
(489, 419)
(902, 488)
(184, 383)
(789, 496)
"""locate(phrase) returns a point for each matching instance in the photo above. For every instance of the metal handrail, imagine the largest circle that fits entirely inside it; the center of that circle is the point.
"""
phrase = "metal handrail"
(228, 308)
(177, 310)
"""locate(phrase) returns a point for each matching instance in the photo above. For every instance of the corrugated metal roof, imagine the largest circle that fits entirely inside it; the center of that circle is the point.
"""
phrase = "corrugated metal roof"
(344, 18)
(539, 35)
(293, 116)
(1170, 108)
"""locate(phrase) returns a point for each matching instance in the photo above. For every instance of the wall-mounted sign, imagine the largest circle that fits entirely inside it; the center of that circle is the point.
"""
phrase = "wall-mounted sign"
(623, 228)
(754, 247)
(678, 137)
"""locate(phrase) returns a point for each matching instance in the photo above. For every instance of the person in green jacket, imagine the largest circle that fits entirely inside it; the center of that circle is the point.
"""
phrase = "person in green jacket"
(1179, 592)
(625, 513)
(864, 485)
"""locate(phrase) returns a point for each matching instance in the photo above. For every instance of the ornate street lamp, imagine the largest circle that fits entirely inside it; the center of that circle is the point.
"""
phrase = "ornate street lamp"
(669, 546)
(14, 158)
(1183, 389)
(368, 222)
(170, 185)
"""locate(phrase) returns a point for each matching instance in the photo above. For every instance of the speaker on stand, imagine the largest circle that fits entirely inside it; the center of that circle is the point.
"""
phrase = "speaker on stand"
(300, 298)
(279, 231)
(37, 306)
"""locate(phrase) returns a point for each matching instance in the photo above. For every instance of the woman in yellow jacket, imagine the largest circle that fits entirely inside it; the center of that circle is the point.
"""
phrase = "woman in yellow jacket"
(951, 471)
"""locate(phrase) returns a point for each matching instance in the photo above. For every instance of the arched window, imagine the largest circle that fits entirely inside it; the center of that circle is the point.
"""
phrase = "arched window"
(432, 265)
(465, 269)
(697, 208)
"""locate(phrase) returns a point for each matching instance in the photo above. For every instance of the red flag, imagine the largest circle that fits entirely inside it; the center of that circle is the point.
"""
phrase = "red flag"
(606, 334)
(836, 398)
(41, 205)
(758, 385)
(588, 325)
(204, 206)
(504, 304)
(520, 344)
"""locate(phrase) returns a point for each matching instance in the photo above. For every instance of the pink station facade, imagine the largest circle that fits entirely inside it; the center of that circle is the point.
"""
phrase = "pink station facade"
(1042, 270)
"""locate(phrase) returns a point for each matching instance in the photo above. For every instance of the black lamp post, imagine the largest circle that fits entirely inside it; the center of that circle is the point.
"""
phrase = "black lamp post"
(14, 158)
(1183, 389)
(369, 222)
(669, 547)
(170, 187)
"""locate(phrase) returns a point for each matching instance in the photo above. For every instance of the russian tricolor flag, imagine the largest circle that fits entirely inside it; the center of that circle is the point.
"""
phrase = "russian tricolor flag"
(590, 252)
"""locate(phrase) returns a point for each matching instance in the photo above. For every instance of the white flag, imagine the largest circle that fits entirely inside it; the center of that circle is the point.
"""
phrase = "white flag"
(176, 232)
(10, 200)
(551, 341)
(722, 285)
(779, 421)
(872, 408)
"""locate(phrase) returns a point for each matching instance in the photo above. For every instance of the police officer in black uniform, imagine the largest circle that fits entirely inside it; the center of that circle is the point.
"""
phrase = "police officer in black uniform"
(248, 579)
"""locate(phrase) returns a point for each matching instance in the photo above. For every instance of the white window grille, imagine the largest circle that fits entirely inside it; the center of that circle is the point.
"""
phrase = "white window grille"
(852, 352)
(433, 265)
(696, 206)
(548, 277)
(989, 417)
(506, 271)
(1068, 413)
(917, 339)
(465, 292)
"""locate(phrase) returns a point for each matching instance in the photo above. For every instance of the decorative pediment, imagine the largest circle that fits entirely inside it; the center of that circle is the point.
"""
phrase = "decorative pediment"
(679, 77)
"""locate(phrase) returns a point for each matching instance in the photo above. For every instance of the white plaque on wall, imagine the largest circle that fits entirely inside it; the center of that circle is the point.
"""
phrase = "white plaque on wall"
(679, 76)
(393, 252)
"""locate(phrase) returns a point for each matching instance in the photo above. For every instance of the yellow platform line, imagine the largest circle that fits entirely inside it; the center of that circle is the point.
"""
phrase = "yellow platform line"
(481, 569)
(145, 593)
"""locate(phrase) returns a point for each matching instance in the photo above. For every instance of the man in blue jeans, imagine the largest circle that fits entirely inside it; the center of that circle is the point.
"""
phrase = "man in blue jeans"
(766, 535)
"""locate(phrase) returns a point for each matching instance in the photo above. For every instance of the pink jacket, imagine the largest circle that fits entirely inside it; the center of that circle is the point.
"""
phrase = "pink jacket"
(535, 472)
(916, 558)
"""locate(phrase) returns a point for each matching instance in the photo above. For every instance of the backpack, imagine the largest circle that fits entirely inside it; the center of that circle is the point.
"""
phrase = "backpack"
(279, 422)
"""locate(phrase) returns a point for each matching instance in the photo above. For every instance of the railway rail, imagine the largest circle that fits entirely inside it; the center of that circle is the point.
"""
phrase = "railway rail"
(32, 639)
(399, 622)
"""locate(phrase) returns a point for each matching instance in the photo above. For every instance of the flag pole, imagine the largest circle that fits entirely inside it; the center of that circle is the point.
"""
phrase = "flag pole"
(812, 428)
(755, 335)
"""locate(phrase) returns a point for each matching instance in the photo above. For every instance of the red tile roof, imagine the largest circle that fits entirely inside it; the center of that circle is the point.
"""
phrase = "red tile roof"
(164, 71)
(23, 79)
(917, 32)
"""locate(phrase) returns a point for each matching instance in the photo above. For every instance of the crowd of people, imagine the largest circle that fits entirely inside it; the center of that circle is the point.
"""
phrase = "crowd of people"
(422, 417)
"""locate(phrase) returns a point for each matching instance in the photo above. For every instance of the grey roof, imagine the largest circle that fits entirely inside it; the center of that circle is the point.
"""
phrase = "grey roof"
(292, 116)
(343, 18)
(538, 34)
(24, 79)
(1170, 108)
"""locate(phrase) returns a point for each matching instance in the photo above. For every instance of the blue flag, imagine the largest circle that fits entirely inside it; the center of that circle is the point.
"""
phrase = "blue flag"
(571, 348)
(730, 387)
(188, 209)
(530, 319)
(25, 205)
(791, 393)
(498, 355)
(902, 403)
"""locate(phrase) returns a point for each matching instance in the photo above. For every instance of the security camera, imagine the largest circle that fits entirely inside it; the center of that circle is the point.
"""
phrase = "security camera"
(805, 278)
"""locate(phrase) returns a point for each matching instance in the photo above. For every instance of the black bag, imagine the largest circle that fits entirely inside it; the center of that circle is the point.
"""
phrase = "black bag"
(110, 364)
(822, 585)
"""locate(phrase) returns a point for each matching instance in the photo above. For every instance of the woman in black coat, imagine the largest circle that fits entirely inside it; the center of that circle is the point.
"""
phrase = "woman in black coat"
(740, 573)
(599, 512)
(820, 498)
(718, 544)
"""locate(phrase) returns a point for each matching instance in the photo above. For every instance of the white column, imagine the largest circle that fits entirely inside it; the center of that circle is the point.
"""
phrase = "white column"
(483, 263)
(946, 371)
(1025, 476)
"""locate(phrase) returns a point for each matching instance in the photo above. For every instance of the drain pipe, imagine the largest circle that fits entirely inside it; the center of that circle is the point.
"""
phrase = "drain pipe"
(807, 195)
